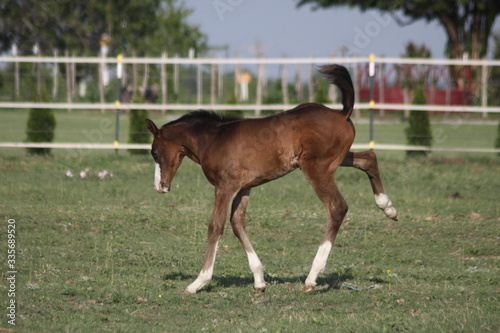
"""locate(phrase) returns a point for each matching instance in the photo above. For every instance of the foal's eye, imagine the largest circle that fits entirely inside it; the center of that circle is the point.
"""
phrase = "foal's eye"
(153, 153)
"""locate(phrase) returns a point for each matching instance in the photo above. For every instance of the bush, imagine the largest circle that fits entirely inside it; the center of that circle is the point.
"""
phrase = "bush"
(40, 127)
(418, 132)
(138, 132)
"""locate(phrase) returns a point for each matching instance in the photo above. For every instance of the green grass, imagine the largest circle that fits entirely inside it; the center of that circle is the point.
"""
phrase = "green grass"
(112, 255)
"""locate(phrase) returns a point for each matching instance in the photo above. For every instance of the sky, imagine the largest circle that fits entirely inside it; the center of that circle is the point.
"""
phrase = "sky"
(282, 29)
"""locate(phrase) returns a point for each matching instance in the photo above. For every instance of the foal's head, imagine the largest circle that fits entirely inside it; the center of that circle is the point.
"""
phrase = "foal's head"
(167, 155)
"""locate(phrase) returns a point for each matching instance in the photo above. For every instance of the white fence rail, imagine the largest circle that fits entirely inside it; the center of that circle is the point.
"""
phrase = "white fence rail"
(245, 107)
(119, 61)
(148, 146)
(250, 61)
(482, 78)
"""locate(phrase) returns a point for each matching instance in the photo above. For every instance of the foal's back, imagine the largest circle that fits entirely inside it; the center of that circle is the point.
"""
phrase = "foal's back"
(264, 149)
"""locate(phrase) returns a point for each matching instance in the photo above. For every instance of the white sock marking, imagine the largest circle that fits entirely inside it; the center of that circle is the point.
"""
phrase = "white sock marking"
(204, 277)
(319, 263)
(257, 270)
(383, 202)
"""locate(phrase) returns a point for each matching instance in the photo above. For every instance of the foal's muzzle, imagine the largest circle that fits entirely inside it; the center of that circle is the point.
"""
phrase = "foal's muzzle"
(161, 188)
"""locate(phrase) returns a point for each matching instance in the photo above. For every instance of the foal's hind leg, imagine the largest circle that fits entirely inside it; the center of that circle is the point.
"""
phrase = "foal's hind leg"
(238, 211)
(367, 162)
(336, 209)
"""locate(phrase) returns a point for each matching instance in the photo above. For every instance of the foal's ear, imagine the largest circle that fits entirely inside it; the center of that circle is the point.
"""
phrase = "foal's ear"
(152, 127)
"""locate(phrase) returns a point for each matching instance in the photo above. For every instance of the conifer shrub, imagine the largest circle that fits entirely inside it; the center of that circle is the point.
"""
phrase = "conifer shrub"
(418, 132)
(138, 132)
(41, 126)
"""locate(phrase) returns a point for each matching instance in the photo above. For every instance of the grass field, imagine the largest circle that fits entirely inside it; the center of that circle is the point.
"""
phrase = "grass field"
(112, 255)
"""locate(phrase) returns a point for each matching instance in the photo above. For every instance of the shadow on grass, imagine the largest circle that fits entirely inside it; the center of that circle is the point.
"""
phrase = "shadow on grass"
(325, 283)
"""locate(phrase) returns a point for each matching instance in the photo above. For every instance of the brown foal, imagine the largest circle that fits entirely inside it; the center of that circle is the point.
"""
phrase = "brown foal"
(238, 154)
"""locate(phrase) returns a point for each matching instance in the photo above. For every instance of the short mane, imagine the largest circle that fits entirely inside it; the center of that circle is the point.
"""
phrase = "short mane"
(205, 115)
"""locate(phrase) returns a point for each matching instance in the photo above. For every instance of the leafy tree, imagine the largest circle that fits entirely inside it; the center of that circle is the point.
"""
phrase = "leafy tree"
(418, 132)
(494, 78)
(467, 23)
(413, 76)
(41, 126)
(146, 26)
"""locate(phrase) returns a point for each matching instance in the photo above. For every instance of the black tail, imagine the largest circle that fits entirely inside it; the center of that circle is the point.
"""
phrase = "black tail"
(339, 76)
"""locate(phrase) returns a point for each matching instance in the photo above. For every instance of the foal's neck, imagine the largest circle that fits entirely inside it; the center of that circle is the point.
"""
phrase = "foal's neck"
(194, 137)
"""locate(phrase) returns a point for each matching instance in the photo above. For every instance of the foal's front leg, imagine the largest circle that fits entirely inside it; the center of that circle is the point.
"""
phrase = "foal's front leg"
(223, 199)
(238, 211)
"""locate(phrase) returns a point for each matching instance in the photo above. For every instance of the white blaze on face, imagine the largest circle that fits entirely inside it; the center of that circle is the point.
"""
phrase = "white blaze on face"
(158, 186)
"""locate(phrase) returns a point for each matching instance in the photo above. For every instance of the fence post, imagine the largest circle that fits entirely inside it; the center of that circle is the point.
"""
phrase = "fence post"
(69, 96)
(284, 84)
(371, 72)
(73, 76)
(145, 78)
(310, 87)
(102, 68)
(134, 73)
(484, 90)
(16, 74)
(199, 85)
(212, 84)
(357, 71)
(163, 82)
(260, 83)
(119, 73)
(298, 83)
(38, 53)
(55, 74)
(381, 87)
(237, 74)
(176, 78)
(220, 83)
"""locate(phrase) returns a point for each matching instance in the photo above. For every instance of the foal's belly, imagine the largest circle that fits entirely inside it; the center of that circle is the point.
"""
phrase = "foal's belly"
(268, 169)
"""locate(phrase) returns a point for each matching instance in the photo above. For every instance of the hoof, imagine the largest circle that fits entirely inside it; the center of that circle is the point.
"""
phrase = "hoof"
(309, 288)
(190, 292)
(391, 213)
(260, 290)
